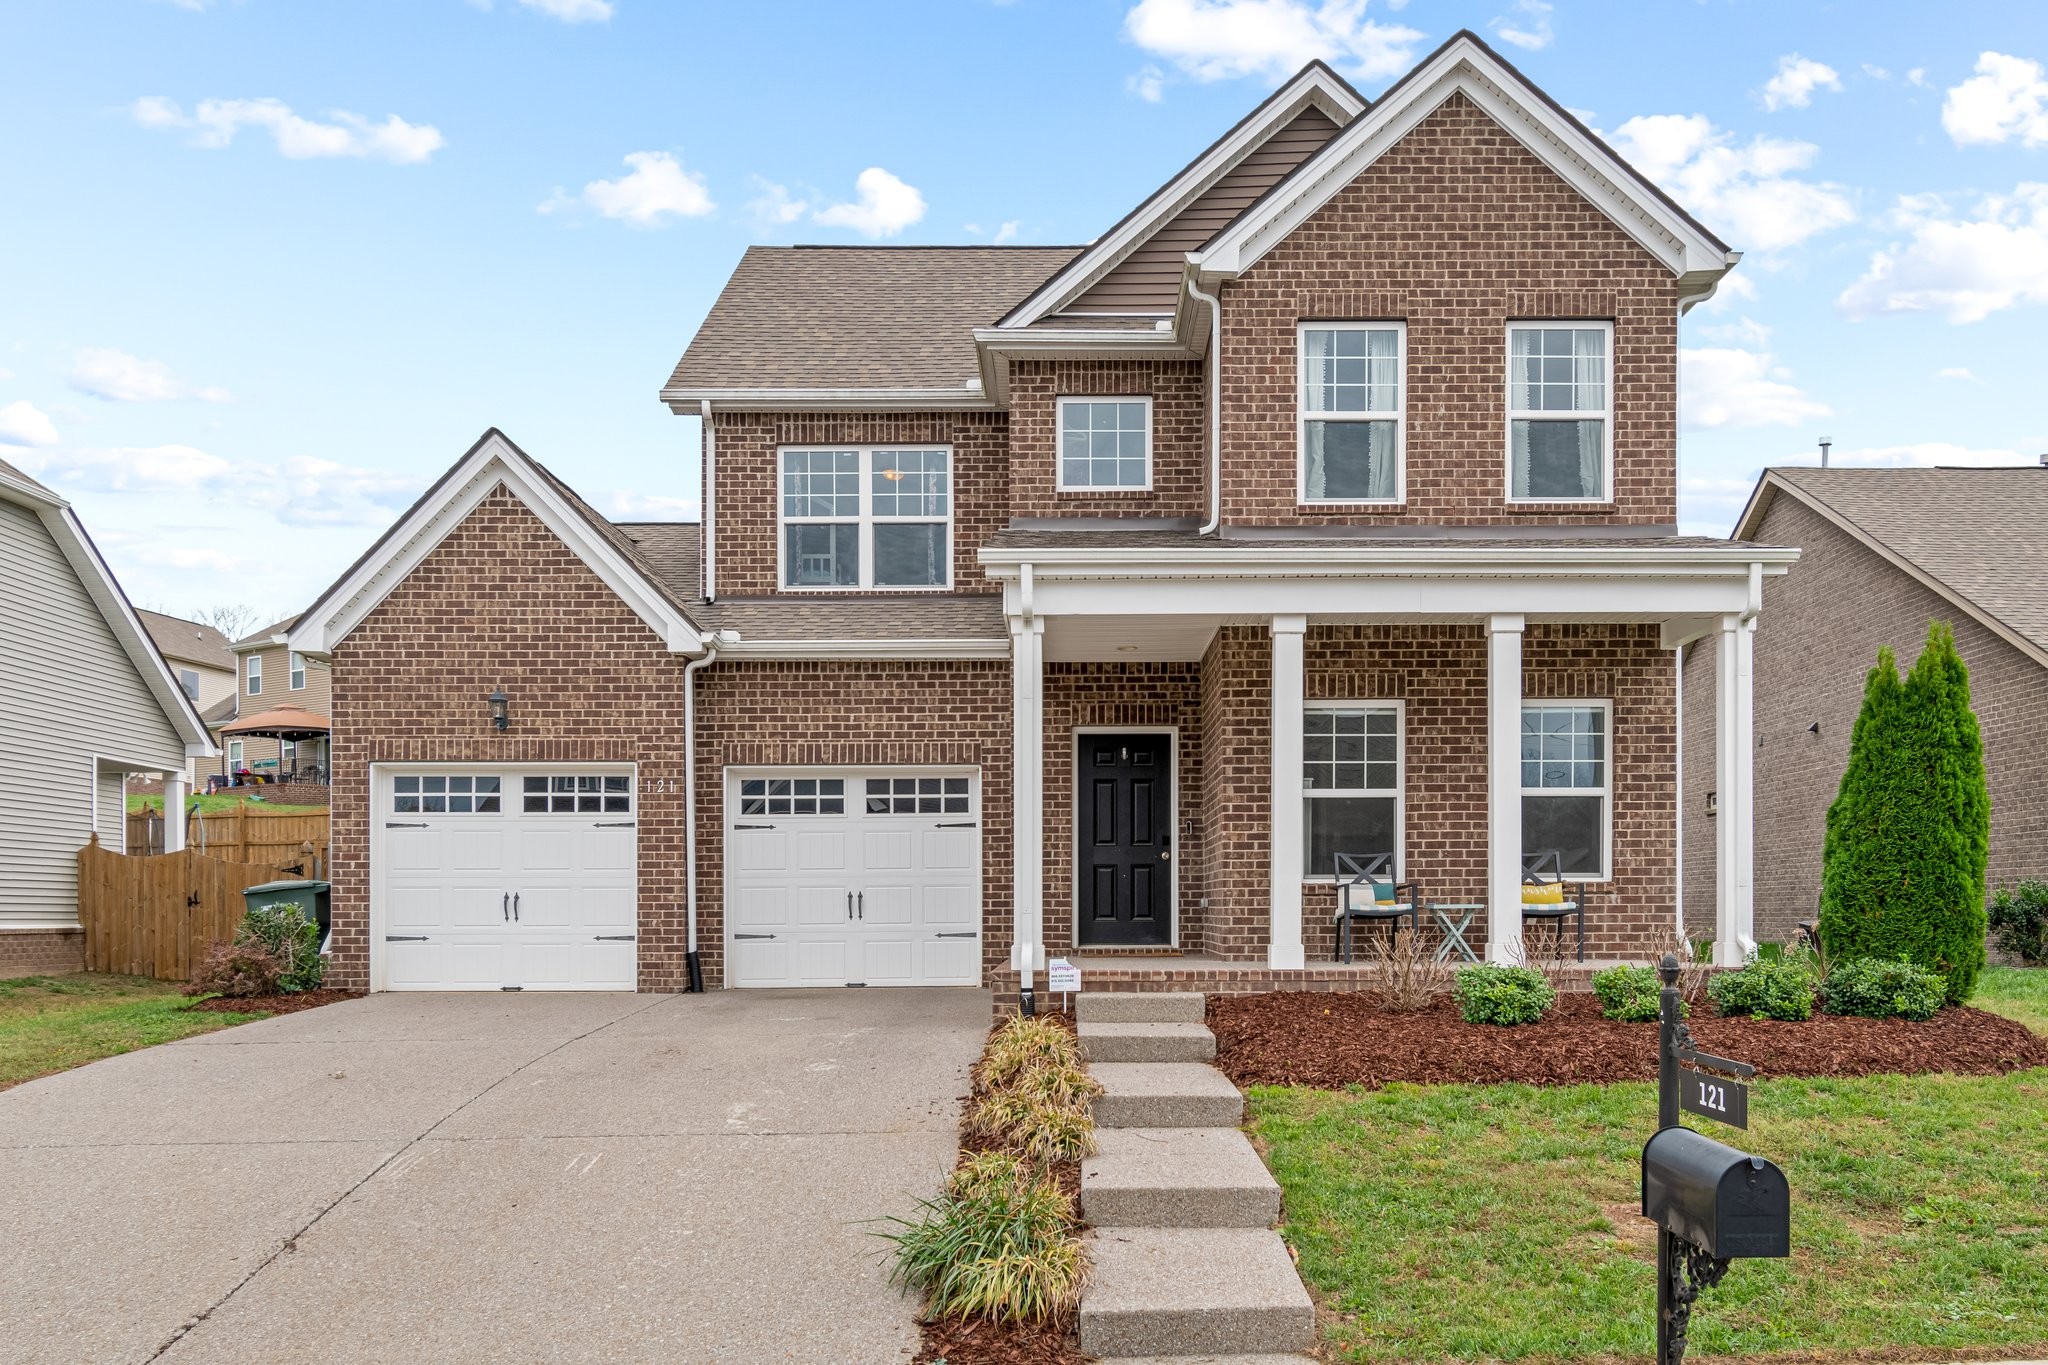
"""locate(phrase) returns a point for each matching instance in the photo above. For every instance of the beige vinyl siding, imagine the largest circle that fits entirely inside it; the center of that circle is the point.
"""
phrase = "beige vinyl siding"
(316, 696)
(1148, 280)
(71, 704)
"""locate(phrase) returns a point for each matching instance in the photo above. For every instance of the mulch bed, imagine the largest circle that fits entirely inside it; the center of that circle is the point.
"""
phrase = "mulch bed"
(274, 1004)
(1326, 1041)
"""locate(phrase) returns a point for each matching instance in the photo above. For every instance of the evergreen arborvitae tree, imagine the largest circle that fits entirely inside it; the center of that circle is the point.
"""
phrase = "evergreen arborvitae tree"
(1910, 830)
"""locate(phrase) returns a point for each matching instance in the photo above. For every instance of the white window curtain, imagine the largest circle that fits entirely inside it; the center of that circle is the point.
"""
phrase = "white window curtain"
(1558, 370)
(1351, 403)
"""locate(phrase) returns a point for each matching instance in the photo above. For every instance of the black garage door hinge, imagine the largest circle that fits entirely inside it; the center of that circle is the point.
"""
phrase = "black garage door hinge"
(614, 938)
(753, 936)
(405, 938)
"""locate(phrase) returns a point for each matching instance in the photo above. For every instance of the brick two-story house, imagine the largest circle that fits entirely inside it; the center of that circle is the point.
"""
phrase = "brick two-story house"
(1050, 600)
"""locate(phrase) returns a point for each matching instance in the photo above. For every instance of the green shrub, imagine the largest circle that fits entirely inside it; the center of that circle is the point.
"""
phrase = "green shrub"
(1630, 994)
(2020, 918)
(1883, 990)
(1494, 994)
(994, 1246)
(295, 940)
(1910, 829)
(1770, 990)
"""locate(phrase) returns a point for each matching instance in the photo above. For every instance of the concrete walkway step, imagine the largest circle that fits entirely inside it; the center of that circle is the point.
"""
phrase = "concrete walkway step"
(1177, 1178)
(1138, 1007)
(1184, 1291)
(1147, 1043)
(1165, 1095)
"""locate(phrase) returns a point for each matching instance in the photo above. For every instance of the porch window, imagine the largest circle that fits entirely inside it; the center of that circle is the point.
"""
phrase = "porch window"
(1105, 443)
(1352, 411)
(1565, 784)
(1351, 783)
(867, 518)
(1560, 410)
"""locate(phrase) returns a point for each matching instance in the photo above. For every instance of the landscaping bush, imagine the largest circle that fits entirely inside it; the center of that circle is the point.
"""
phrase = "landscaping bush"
(295, 940)
(1494, 994)
(1780, 989)
(244, 967)
(1883, 990)
(1909, 831)
(998, 1244)
(1021, 1044)
(1630, 994)
(2019, 917)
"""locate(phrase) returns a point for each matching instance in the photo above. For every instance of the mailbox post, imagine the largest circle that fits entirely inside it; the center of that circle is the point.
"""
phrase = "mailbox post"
(1711, 1203)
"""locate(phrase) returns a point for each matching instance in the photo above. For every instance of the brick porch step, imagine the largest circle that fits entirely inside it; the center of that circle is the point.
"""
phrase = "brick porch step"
(1165, 1095)
(1138, 1007)
(1177, 1178)
(1147, 1043)
(1185, 1291)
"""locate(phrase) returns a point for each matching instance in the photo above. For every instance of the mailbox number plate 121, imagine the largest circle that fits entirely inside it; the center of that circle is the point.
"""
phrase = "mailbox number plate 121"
(1713, 1098)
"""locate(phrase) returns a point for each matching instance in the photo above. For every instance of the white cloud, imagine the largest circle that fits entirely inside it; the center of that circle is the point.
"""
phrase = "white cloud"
(1734, 289)
(214, 124)
(1918, 76)
(1955, 372)
(22, 423)
(1798, 77)
(1214, 40)
(884, 207)
(296, 491)
(572, 11)
(1746, 193)
(1007, 232)
(1147, 83)
(1733, 387)
(1966, 268)
(1876, 73)
(1526, 25)
(1746, 332)
(2007, 98)
(184, 553)
(625, 505)
(656, 189)
(118, 377)
(776, 205)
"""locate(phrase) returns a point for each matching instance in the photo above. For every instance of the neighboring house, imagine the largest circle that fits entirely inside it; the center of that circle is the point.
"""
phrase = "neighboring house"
(1883, 552)
(270, 675)
(1045, 604)
(201, 660)
(85, 700)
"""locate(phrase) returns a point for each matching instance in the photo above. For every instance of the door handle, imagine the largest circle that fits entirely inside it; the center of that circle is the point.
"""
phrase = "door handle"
(505, 905)
(515, 907)
(849, 905)
(863, 898)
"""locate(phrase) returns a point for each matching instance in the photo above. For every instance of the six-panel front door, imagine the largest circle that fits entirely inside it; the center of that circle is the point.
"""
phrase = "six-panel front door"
(1124, 838)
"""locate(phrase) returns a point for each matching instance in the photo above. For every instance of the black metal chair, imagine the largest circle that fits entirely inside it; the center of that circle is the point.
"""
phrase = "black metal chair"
(1366, 890)
(1546, 869)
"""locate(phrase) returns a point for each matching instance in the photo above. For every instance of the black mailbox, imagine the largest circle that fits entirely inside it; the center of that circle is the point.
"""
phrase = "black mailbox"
(1725, 1202)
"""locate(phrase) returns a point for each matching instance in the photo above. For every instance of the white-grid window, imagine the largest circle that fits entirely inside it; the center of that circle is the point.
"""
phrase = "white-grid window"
(1560, 411)
(1352, 411)
(460, 795)
(793, 796)
(1350, 783)
(298, 671)
(1566, 791)
(917, 796)
(874, 518)
(576, 794)
(255, 674)
(1105, 444)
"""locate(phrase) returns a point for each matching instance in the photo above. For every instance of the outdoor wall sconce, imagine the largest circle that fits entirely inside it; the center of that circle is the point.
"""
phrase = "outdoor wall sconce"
(501, 710)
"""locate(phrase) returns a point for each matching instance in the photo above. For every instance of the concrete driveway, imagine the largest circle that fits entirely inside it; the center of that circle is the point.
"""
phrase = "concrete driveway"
(487, 1178)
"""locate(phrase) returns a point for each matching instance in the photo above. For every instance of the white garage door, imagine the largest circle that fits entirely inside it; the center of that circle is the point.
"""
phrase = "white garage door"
(839, 878)
(509, 878)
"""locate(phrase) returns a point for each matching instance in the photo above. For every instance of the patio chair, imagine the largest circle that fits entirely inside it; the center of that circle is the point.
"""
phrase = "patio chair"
(1366, 890)
(1546, 895)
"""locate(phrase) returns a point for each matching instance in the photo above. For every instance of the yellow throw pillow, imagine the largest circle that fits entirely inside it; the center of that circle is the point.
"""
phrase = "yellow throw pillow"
(1552, 894)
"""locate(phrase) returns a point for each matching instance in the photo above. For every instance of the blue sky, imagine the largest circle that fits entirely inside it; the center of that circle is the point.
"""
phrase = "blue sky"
(268, 266)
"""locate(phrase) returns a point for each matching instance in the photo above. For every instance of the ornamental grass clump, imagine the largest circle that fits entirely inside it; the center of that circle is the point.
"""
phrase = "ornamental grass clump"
(1629, 994)
(1491, 993)
(997, 1245)
(1883, 990)
(1769, 988)
(1022, 1044)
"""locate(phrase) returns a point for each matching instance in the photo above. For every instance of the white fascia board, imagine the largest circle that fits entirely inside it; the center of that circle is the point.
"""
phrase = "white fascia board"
(1341, 560)
(996, 346)
(1311, 87)
(1465, 67)
(688, 402)
(342, 608)
(1416, 598)
(866, 649)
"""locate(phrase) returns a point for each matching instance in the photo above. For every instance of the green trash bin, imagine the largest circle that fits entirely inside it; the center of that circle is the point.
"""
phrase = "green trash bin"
(310, 896)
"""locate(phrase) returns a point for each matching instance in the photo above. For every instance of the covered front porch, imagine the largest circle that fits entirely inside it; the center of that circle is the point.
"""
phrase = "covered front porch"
(1202, 725)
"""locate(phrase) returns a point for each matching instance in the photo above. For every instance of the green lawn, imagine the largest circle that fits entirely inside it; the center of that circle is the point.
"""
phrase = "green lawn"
(53, 1023)
(1499, 1222)
(220, 803)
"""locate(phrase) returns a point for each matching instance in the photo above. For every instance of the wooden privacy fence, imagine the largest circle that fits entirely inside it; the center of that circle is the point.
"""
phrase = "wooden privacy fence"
(246, 834)
(156, 915)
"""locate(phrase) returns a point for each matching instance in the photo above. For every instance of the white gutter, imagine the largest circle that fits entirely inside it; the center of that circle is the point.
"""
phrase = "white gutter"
(708, 502)
(690, 782)
(1215, 303)
(687, 401)
(1341, 559)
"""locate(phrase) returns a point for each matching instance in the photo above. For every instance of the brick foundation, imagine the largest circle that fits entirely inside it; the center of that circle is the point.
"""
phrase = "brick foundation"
(41, 952)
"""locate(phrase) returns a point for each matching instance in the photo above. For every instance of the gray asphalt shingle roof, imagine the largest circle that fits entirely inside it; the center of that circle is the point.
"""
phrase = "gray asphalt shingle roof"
(191, 642)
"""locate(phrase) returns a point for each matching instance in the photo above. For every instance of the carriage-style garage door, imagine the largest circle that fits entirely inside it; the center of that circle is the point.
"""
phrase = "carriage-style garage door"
(841, 877)
(492, 878)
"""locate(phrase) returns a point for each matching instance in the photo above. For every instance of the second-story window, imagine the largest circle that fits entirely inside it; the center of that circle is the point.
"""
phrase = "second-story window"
(255, 674)
(1560, 411)
(867, 518)
(1105, 444)
(188, 678)
(298, 671)
(1352, 410)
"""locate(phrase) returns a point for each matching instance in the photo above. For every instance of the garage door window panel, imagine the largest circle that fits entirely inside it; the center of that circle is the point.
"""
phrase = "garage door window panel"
(793, 796)
(579, 794)
(461, 795)
(917, 796)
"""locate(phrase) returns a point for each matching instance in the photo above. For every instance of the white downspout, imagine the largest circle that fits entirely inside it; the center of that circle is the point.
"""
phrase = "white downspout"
(1215, 303)
(1678, 777)
(709, 501)
(690, 788)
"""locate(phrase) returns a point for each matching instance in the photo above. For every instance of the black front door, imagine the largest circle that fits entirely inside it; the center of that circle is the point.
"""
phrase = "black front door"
(1124, 793)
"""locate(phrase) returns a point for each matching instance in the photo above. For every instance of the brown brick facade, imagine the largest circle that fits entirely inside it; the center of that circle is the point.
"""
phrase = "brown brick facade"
(1180, 441)
(1816, 640)
(41, 952)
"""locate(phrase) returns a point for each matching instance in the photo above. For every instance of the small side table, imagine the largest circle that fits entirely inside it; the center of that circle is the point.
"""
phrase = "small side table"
(1454, 930)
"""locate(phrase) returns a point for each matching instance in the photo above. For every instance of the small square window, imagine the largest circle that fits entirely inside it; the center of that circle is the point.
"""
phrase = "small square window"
(1105, 443)
(406, 805)
(536, 805)
(405, 784)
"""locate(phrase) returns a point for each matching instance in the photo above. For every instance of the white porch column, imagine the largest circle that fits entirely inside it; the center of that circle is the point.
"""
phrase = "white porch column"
(1027, 795)
(1504, 789)
(1283, 945)
(174, 811)
(1734, 769)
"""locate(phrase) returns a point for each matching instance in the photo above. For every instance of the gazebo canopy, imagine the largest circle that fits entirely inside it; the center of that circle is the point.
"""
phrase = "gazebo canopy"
(281, 722)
